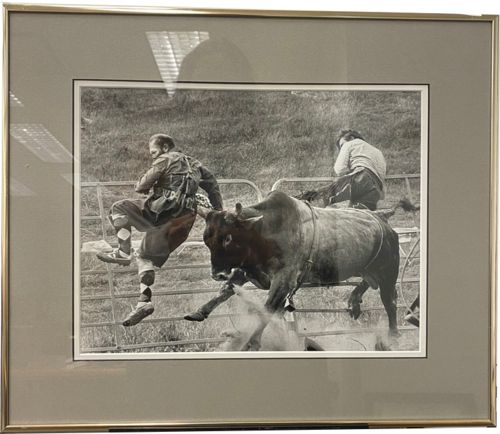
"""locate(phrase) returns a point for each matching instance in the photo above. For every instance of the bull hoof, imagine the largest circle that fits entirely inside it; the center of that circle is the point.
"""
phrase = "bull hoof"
(195, 316)
(251, 346)
(354, 306)
(394, 333)
(381, 345)
(311, 345)
(355, 311)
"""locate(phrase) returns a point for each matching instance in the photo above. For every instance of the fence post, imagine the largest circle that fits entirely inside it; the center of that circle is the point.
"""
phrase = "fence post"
(410, 197)
(101, 210)
(110, 274)
(408, 189)
(113, 302)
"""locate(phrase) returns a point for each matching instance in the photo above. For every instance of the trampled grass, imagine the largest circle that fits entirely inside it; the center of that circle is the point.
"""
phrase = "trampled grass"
(259, 136)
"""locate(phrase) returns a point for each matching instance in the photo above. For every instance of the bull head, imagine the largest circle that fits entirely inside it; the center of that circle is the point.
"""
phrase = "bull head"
(229, 238)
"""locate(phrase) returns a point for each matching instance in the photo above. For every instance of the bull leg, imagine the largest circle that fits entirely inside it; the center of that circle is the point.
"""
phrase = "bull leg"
(275, 302)
(388, 295)
(253, 344)
(226, 292)
(356, 298)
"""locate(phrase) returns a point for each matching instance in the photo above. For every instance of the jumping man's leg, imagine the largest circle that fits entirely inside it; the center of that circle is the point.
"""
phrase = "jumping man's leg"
(154, 251)
(123, 215)
(366, 190)
(144, 306)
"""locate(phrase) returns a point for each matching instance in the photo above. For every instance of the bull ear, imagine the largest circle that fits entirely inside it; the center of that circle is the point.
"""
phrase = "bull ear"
(239, 209)
(202, 211)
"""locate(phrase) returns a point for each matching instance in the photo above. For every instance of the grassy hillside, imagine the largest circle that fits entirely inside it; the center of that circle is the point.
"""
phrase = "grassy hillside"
(256, 135)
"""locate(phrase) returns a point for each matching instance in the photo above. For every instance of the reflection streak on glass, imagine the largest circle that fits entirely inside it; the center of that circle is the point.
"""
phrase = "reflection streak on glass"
(41, 142)
(74, 179)
(169, 50)
(14, 101)
(17, 188)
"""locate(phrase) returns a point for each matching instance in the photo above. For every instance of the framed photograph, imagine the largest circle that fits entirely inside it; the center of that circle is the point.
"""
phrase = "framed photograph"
(248, 234)
(302, 118)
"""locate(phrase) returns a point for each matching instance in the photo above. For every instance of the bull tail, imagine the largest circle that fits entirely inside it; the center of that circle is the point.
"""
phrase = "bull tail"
(308, 195)
(405, 204)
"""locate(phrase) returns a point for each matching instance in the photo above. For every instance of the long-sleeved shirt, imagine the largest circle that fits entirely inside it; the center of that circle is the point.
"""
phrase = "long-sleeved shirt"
(356, 155)
(168, 171)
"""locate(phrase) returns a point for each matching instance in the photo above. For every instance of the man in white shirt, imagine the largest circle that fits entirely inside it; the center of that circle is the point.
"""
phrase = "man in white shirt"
(361, 170)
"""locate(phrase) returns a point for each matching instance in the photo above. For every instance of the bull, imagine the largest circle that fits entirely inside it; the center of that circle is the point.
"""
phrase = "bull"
(281, 241)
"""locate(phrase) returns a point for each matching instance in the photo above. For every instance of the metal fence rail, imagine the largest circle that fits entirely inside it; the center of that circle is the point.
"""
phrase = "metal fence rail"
(394, 177)
(99, 190)
(235, 315)
(113, 295)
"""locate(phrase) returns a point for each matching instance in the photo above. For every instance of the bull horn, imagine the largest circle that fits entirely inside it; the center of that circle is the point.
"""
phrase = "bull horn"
(239, 209)
(202, 211)
(250, 221)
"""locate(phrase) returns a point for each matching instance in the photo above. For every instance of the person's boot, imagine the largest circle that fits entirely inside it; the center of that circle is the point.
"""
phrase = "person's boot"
(141, 311)
(116, 256)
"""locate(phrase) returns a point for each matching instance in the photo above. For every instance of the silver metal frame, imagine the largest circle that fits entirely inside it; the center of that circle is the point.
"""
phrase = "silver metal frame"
(8, 8)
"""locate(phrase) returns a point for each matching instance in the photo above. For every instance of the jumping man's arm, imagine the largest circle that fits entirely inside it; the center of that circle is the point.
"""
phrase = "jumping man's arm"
(210, 185)
(148, 179)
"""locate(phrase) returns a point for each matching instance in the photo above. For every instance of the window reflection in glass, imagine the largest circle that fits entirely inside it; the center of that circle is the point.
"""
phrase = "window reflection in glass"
(169, 50)
(41, 142)
(19, 189)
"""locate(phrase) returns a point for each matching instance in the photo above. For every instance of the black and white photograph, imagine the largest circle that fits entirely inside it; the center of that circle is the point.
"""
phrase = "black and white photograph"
(220, 220)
